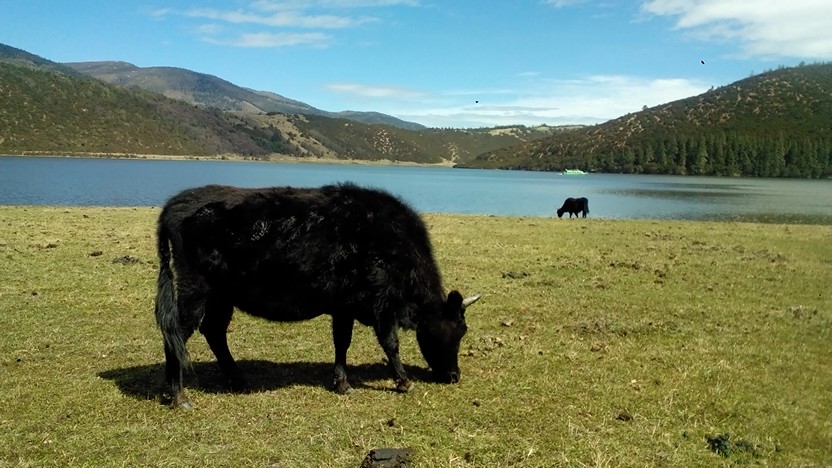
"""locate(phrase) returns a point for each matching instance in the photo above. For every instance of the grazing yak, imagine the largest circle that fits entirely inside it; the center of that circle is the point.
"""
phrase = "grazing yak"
(290, 254)
(574, 206)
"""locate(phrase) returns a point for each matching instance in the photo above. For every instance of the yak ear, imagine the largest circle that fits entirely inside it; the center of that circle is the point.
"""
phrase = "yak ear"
(453, 305)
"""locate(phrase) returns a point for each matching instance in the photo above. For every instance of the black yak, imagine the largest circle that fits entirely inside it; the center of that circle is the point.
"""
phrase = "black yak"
(574, 206)
(290, 254)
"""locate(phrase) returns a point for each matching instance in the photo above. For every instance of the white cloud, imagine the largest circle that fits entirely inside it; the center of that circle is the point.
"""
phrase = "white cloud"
(271, 5)
(160, 12)
(281, 19)
(794, 28)
(370, 91)
(562, 3)
(605, 97)
(274, 40)
(283, 16)
(208, 29)
(588, 100)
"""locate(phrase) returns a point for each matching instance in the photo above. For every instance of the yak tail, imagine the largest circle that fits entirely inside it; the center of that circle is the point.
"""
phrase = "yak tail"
(167, 312)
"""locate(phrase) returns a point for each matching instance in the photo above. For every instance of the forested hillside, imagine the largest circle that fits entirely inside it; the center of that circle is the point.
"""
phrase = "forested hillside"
(776, 124)
(45, 111)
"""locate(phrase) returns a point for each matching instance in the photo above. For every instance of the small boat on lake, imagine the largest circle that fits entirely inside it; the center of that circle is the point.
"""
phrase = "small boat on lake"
(573, 172)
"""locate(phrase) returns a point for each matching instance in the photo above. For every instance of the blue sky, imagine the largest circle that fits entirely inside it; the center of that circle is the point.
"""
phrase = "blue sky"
(442, 63)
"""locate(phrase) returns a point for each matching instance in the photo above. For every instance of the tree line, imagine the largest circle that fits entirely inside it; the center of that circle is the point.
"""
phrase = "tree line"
(722, 154)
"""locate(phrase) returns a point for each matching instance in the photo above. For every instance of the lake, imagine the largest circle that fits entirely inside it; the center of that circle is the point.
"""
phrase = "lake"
(137, 182)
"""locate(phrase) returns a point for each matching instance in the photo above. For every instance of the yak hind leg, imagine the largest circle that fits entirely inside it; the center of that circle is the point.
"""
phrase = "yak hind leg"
(174, 388)
(178, 324)
(342, 337)
(214, 328)
(388, 338)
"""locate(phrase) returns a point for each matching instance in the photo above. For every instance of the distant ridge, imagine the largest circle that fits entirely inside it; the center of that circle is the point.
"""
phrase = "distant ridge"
(191, 87)
(49, 108)
(211, 91)
(15, 56)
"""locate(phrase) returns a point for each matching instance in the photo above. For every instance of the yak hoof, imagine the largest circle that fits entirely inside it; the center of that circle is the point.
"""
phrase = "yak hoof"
(404, 386)
(181, 401)
(239, 385)
(342, 387)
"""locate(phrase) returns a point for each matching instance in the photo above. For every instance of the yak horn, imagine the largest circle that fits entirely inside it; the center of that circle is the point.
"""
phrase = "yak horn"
(470, 300)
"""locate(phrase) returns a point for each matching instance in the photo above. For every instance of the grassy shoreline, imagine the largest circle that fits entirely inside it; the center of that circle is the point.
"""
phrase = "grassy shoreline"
(597, 342)
(279, 158)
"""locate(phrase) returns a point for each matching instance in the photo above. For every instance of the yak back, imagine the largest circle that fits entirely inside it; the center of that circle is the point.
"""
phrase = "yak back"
(294, 253)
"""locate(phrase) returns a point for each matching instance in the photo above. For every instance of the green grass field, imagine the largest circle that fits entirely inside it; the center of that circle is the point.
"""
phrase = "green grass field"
(596, 343)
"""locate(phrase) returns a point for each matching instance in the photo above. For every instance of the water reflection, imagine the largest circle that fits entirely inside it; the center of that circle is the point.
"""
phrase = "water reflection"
(699, 186)
(664, 194)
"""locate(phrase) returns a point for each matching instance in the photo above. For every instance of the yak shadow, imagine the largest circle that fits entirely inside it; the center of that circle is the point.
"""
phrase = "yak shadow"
(146, 382)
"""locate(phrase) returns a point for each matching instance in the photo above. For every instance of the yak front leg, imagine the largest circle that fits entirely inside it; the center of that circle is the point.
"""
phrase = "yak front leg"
(388, 338)
(341, 337)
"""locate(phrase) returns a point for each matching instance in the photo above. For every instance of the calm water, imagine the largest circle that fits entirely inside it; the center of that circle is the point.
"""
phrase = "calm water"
(113, 182)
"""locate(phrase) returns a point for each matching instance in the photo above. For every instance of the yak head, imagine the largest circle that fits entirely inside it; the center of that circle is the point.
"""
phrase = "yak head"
(439, 336)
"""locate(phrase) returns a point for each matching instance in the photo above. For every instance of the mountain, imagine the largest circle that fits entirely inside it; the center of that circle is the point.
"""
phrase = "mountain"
(194, 88)
(775, 124)
(51, 112)
(20, 57)
(48, 108)
(376, 118)
(210, 91)
(319, 136)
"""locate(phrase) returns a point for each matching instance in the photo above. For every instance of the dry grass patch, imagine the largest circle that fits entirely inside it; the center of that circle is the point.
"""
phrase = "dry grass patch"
(604, 343)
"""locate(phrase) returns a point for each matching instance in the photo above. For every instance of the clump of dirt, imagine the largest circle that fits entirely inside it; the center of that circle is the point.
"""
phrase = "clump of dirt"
(387, 458)
(778, 258)
(487, 344)
(127, 260)
(628, 265)
(802, 312)
(514, 274)
(722, 445)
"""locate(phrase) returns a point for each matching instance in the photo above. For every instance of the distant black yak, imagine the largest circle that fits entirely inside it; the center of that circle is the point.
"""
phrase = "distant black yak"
(574, 206)
(290, 254)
